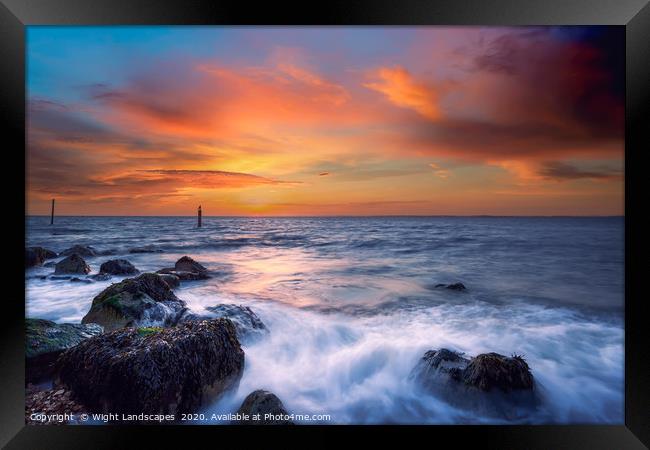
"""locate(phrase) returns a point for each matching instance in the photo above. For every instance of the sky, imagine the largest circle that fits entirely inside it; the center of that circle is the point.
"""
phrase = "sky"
(293, 121)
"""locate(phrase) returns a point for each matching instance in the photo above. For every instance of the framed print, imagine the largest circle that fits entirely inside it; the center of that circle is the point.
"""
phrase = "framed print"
(362, 217)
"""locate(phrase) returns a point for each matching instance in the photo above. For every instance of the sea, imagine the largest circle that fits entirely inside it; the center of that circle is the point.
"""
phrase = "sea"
(352, 304)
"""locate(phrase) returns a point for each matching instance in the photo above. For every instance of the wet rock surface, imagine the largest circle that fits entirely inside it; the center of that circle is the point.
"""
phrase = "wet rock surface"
(172, 280)
(186, 269)
(46, 340)
(248, 325)
(81, 250)
(118, 267)
(73, 264)
(36, 256)
(146, 300)
(154, 370)
(267, 406)
(490, 383)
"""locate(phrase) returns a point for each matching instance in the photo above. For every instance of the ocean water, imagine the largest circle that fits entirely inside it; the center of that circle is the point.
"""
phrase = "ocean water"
(351, 304)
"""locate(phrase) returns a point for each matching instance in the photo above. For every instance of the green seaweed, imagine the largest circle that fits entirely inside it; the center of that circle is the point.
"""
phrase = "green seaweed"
(146, 331)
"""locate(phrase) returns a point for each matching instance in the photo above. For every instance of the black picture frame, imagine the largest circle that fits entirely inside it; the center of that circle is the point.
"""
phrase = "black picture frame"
(634, 15)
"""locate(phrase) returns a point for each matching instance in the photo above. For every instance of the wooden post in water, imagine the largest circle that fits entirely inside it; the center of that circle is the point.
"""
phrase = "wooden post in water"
(199, 216)
(52, 214)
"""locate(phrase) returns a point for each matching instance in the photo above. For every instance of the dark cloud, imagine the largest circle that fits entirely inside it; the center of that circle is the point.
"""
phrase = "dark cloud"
(215, 178)
(575, 76)
(562, 171)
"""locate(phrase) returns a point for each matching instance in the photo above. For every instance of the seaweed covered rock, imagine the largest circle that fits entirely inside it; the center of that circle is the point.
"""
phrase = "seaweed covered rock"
(248, 325)
(72, 264)
(154, 370)
(140, 301)
(36, 256)
(490, 383)
(186, 269)
(265, 405)
(494, 371)
(81, 250)
(46, 340)
(452, 286)
(118, 267)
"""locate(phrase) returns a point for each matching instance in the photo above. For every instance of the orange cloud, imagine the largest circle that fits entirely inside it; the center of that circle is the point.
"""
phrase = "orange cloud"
(404, 91)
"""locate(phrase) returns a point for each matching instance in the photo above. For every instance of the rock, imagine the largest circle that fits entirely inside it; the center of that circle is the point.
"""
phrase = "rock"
(55, 403)
(438, 366)
(248, 325)
(118, 267)
(81, 250)
(160, 371)
(268, 405)
(36, 277)
(101, 276)
(80, 280)
(145, 249)
(46, 340)
(490, 384)
(172, 280)
(494, 371)
(453, 287)
(186, 269)
(141, 301)
(35, 256)
(72, 264)
(182, 276)
(187, 264)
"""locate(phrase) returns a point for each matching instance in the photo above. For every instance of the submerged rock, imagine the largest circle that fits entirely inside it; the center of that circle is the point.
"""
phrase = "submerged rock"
(186, 269)
(490, 384)
(248, 325)
(36, 256)
(141, 301)
(154, 370)
(453, 286)
(81, 280)
(81, 250)
(101, 276)
(182, 276)
(46, 340)
(72, 264)
(269, 407)
(118, 267)
(145, 249)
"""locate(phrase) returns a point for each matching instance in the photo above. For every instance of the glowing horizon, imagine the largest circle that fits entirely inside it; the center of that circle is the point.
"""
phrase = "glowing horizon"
(325, 121)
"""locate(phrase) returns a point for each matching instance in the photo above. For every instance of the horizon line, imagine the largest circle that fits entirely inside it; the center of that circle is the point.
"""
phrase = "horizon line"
(331, 215)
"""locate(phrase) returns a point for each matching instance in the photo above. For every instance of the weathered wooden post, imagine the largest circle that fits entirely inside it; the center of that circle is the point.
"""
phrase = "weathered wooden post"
(52, 214)
(199, 216)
